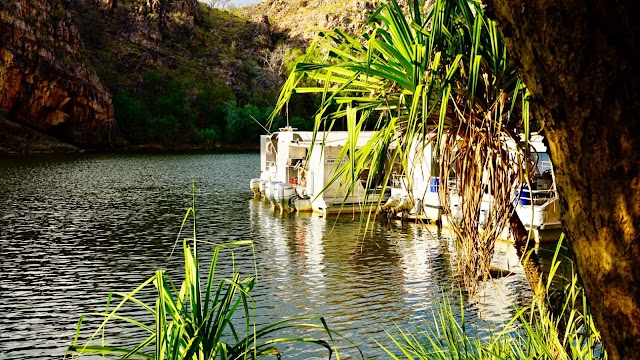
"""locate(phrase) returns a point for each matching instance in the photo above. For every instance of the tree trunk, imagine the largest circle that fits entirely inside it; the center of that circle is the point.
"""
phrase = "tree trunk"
(580, 59)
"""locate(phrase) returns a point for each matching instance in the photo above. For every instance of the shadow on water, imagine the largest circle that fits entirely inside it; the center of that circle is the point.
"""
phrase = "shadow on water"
(74, 228)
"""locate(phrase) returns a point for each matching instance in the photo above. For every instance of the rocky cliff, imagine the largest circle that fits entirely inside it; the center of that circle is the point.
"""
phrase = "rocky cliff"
(99, 73)
(45, 83)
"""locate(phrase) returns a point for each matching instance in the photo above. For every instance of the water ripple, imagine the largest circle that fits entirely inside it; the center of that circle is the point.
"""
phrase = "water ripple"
(74, 228)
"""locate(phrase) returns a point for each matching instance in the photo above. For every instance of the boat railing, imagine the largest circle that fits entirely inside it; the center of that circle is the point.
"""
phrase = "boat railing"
(544, 166)
(398, 181)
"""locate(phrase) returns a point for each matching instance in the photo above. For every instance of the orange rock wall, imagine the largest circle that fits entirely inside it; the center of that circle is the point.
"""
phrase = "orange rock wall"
(44, 82)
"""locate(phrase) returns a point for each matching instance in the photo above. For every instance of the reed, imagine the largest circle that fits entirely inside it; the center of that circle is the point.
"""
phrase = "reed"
(210, 317)
(566, 332)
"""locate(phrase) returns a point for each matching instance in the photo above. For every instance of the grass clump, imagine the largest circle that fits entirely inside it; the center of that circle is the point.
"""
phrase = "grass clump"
(207, 317)
(565, 332)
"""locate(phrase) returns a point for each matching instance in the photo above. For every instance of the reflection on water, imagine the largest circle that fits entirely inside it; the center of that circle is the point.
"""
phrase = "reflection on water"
(74, 228)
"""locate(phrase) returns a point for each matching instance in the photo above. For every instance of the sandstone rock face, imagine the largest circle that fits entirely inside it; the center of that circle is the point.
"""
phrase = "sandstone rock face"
(44, 82)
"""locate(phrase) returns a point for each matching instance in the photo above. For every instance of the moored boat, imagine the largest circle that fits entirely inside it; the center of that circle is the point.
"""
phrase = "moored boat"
(297, 170)
(537, 203)
(415, 194)
(414, 190)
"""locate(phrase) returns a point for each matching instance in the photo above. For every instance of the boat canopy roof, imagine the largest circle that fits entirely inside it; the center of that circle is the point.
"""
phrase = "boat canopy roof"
(328, 138)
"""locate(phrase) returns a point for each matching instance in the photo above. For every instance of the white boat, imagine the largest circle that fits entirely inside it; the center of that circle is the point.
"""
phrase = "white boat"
(296, 169)
(415, 195)
(539, 207)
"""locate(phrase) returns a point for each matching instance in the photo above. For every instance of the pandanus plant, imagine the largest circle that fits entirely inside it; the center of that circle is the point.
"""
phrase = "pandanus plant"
(440, 77)
(207, 317)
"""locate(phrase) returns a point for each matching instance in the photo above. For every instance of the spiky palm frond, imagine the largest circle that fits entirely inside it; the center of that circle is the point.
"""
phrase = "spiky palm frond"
(443, 78)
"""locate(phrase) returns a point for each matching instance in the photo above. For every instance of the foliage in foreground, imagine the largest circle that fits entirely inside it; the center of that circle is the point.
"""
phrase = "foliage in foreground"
(568, 332)
(200, 320)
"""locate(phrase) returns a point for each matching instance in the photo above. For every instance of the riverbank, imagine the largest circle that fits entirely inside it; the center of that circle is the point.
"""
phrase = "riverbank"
(187, 148)
(17, 139)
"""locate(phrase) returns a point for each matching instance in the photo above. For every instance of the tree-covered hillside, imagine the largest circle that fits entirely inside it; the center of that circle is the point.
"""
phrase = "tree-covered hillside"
(131, 74)
(184, 82)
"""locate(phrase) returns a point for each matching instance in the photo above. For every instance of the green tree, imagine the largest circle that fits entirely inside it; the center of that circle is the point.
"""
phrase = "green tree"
(242, 122)
(208, 137)
(173, 111)
(132, 116)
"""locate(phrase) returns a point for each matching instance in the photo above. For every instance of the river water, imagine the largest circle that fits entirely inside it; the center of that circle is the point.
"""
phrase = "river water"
(74, 228)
